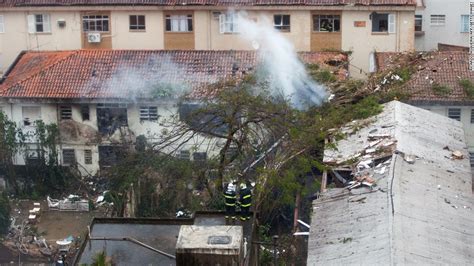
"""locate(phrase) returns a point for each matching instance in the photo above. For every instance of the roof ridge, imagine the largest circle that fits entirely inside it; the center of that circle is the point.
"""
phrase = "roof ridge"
(71, 53)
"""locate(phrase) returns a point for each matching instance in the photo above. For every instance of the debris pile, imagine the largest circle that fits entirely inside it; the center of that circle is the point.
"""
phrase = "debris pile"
(373, 159)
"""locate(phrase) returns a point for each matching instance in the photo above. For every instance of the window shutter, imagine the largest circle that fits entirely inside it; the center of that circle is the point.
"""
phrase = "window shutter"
(31, 24)
(391, 23)
(46, 23)
(222, 23)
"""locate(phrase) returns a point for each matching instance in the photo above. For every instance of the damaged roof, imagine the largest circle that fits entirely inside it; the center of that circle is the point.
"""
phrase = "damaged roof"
(445, 68)
(30, 3)
(419, 212)
(130, 73)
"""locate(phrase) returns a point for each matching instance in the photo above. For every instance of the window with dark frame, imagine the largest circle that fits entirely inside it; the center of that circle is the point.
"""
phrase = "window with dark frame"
(200, 156)
(69, 157)
(454, 113)
(179, 23)
(97, 23)
(281, 22)
(326, 23)
(471, 159)
(85, 112)
(472, 116)
(418, 23)
(88, 156)
(184, 155)
(379, 22)
(137, 22)
(65, 112)
(148, 113)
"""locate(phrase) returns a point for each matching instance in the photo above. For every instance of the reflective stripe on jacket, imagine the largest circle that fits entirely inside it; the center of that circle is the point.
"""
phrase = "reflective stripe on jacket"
(230, 198)
(245, 198)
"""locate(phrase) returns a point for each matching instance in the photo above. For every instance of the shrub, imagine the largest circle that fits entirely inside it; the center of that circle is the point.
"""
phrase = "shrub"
(468, 87)
(4, 214)
(439, 89)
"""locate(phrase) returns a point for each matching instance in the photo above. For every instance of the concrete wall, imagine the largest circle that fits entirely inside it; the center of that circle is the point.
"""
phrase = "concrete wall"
(362, 41)
(16, 37)
(465, 119)
(450, 33)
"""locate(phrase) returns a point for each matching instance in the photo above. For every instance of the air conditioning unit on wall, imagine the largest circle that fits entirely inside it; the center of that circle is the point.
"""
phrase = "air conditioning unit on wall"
(93, 37)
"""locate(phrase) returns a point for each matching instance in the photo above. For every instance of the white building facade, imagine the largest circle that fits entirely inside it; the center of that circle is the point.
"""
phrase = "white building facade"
(441, 21)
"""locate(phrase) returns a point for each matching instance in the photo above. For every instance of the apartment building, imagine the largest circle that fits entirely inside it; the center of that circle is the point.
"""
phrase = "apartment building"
(361, 27)
(102, 100)
(441, 22)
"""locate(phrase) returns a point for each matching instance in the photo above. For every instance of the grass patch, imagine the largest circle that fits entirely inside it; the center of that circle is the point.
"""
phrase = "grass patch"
(468, 87)
(439, 89)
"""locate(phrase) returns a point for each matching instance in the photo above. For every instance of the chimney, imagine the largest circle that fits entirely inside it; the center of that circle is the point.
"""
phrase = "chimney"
(471, 35)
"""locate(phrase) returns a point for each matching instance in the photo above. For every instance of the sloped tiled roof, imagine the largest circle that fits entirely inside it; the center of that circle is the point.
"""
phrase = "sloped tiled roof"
(445, 68)
(128, 73)
(29, 3)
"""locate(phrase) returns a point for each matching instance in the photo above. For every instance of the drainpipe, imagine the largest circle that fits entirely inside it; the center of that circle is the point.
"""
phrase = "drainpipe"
(209, 30)
(59, 134)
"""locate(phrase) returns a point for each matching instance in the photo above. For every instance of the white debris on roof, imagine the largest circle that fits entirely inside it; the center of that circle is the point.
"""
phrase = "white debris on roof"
(420, 210)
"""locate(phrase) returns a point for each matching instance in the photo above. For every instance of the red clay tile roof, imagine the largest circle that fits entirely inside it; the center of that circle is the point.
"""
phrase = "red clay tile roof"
(25, 3)
(128, 73)
(445, 68)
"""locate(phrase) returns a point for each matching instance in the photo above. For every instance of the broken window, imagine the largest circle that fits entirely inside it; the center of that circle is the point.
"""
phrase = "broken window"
(88, 156)
(228, 23)
(65, 112)
(137, 22)
(327, 23)
(200, 156)
(31, 114)
(85, 112)
(32, 156)
(110, 155)
(418, 23)
(281, 22)
(148, 113)
(69, 157)
(454, 113)
(111, 116)
(438, 20)
(383, 22)
(201, 119)
(179, 23)
(97, 23)
(184, 155)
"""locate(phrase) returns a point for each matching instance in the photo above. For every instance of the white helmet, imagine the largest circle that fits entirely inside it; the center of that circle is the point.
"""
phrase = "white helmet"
(231, 187)
(243, 186)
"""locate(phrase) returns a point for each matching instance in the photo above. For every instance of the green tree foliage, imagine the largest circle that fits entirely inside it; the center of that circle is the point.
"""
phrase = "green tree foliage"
(162, 184)
(4, 214)
(11, 143)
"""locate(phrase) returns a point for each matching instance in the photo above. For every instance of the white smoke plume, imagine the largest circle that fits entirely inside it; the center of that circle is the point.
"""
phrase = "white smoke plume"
(284, 71)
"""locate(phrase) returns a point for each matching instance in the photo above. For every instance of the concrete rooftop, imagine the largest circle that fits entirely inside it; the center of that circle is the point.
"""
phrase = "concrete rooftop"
(418, 213)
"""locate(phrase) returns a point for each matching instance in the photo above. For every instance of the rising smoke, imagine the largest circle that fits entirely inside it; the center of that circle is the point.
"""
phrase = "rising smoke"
(282, 68)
